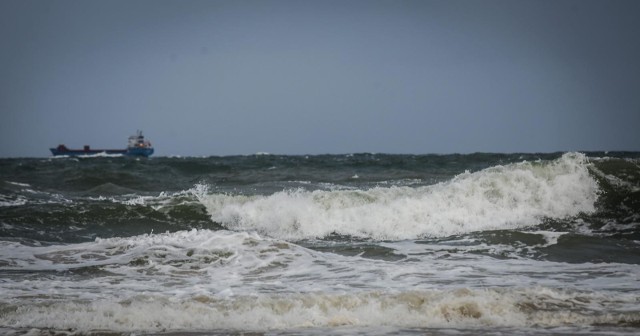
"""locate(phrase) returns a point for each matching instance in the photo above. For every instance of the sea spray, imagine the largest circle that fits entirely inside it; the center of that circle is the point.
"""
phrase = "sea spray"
(501, 197)
(417, 244)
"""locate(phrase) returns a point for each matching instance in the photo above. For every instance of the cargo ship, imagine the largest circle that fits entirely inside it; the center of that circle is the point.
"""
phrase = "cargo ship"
(137, 146)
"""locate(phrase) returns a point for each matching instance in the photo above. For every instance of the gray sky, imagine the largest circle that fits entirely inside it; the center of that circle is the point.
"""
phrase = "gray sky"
(311, 77)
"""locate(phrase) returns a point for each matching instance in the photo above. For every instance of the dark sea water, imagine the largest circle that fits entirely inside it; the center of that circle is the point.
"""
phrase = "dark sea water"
(362, 244)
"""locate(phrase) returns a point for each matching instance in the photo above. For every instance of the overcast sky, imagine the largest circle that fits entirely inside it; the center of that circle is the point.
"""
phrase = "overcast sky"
(311, 77)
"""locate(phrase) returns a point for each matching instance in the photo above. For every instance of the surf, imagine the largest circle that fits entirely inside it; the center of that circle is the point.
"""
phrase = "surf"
(508, 196)
(459, 308)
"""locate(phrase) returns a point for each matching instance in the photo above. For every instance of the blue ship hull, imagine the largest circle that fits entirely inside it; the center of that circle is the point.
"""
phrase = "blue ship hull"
(144, 152)
(138, 146)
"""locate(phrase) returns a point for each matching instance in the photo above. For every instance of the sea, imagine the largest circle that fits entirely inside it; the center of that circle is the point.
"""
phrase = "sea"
(354, 244)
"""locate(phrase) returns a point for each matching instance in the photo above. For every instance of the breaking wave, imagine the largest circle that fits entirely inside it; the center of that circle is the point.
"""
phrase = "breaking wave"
(501, 197)
(447, 308)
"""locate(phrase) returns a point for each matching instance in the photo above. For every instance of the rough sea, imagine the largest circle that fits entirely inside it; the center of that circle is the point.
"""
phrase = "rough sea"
(358, 244)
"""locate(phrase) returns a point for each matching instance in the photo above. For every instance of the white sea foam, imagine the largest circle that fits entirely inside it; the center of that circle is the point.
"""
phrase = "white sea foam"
(550, 236)
(29, 195)
(11, 200)
(197, 262)
(88, 156)
(160, 201)
(19, 184)
(439, 308)
(203, 280)
(186, 259)
(501, 197)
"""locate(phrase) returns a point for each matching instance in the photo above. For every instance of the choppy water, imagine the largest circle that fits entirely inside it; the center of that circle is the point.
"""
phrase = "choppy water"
(332, 244)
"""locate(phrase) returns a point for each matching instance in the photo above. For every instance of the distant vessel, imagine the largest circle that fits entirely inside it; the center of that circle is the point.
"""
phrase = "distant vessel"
(137, 146)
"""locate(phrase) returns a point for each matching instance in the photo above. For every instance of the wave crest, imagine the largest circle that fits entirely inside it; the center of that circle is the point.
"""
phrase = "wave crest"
(500, 197)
